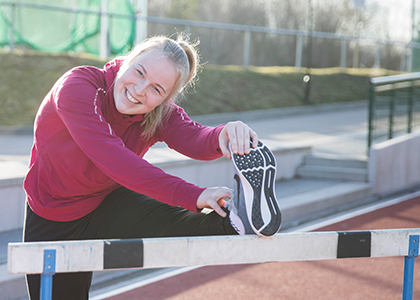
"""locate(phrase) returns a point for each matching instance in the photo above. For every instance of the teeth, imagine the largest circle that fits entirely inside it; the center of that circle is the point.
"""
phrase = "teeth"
(131, 98)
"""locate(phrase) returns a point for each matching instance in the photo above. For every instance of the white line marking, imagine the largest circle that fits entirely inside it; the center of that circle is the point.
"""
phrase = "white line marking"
(319, 223)
(134, 283)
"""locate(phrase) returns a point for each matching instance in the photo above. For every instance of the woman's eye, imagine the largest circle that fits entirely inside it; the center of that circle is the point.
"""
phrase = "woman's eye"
(156, 90)
(140, 72)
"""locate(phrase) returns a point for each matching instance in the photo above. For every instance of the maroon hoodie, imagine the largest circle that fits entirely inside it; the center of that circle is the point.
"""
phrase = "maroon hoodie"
(84, 149)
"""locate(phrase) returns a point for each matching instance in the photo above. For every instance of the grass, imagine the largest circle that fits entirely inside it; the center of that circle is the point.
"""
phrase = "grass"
(27, 77)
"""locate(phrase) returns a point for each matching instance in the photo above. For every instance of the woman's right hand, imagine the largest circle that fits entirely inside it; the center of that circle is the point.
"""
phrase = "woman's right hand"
(213, 198)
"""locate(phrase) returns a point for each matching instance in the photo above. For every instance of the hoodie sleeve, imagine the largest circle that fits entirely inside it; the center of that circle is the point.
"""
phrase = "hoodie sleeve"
(76, 102)
(191, 138)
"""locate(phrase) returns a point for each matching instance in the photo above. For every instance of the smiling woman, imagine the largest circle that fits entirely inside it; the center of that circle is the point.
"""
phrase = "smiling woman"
(145, 83)
(87, 176)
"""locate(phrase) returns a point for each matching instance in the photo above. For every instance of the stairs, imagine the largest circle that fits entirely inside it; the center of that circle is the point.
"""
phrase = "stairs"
(333, 168)
(324, 185)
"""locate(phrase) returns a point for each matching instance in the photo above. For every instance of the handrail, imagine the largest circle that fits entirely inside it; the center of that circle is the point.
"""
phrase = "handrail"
(392, 86)
(394, 78)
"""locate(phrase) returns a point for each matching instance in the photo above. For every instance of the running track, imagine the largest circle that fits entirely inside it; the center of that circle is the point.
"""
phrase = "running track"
(355, 278)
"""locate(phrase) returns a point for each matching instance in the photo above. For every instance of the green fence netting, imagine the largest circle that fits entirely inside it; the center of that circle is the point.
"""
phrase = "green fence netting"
(62, 25)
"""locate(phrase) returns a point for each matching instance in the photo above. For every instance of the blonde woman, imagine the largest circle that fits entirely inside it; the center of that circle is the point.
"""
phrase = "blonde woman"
(87, 178)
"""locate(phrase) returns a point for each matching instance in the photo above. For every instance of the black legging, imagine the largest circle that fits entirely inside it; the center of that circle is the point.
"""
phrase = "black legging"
(123, 214)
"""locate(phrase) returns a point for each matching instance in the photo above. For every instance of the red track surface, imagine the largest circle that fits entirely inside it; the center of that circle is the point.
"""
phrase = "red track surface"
(355, 278)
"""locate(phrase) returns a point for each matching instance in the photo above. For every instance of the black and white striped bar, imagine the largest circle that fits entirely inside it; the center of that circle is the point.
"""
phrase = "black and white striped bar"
(95, 255)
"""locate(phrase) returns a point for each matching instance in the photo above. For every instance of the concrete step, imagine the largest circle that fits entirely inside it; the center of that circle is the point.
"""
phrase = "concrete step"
(333, 167)
(338, 173)
(12, 287)
(312, 204)
(335, 161)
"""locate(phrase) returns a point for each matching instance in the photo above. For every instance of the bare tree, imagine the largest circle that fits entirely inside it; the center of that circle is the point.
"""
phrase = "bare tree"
(226, 46)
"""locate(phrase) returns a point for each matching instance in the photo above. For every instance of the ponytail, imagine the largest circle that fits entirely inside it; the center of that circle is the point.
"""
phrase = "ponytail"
(191, 51)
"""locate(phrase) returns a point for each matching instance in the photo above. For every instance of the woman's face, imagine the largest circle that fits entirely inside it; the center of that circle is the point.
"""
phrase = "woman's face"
(145, 83)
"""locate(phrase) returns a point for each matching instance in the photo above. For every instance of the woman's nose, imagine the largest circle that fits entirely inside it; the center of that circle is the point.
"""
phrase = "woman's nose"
(140, 89)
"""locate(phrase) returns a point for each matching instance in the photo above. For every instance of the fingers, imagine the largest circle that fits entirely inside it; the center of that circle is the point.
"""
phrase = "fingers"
(238, 135)
(254, 138)
(215, 206)
(224, 147)
(214, 198)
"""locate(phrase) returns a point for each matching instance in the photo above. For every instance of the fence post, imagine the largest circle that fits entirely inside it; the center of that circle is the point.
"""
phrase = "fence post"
(410, 107)
(103, 44)
(377, 63)
(247, 46)
(409, 64)
(12, 29)
(413, 252)
(47, 274)
(370, 116)
(391, 114)
(188, 30)
(343, 55)
(298, 58)
(141, 21)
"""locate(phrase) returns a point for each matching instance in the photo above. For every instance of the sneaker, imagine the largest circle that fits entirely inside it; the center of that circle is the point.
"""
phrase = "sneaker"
(237, 210)
(255, 206)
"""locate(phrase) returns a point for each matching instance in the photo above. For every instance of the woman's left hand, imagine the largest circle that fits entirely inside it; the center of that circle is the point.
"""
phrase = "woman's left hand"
(238, 134)
(214, 198)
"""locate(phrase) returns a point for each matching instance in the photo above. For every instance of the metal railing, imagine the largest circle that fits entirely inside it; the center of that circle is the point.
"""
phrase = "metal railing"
(394, 106)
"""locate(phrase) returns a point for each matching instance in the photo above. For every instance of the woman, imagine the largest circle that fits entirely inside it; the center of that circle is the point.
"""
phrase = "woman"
(87, 178)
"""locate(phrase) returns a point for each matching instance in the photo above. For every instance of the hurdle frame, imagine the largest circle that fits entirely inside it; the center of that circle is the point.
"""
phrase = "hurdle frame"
(48, 258)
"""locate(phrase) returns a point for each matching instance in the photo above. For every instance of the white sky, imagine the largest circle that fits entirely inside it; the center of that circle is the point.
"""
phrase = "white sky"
(399, 17)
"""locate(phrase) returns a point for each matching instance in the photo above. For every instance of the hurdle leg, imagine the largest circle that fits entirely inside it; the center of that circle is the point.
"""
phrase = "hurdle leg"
(47, 274)
(413, 251)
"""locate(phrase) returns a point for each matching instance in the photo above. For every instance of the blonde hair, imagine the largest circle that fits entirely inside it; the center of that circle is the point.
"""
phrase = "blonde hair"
(184, 56)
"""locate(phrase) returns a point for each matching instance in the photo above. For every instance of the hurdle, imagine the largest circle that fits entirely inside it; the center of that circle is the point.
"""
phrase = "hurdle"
(48, 258)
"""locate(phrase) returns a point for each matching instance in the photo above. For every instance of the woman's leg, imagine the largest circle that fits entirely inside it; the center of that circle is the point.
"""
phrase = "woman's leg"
(66, 286)
(127, 214)
(122, 214)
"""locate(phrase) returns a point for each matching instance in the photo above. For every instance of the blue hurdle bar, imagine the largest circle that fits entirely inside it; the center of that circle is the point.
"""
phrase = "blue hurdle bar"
(413, 252)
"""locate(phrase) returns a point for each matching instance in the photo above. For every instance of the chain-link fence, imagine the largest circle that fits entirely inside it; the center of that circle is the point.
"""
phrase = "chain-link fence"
(109, 28)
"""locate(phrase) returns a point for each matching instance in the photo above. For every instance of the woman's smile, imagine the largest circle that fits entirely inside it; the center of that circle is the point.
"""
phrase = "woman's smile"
(145, 83)
(131, 98)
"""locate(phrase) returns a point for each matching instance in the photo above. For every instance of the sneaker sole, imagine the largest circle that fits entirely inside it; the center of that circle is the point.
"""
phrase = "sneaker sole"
(257, 172)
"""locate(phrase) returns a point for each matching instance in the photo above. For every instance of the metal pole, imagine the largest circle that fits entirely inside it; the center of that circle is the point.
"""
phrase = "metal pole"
(12, 29)
(391, 114)
(377, 63)
(403, 65)
(47, 274)
(247, 46)
(298, 58)
(343, 56)
(357, 41)
(307, 77)
(103, 44)
(187, 30)
(370, 116)
(413, 29)
(141, 21)
(410, 108)
(413, 252)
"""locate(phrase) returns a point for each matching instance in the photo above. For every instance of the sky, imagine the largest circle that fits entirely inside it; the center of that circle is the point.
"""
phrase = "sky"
(399, 15)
